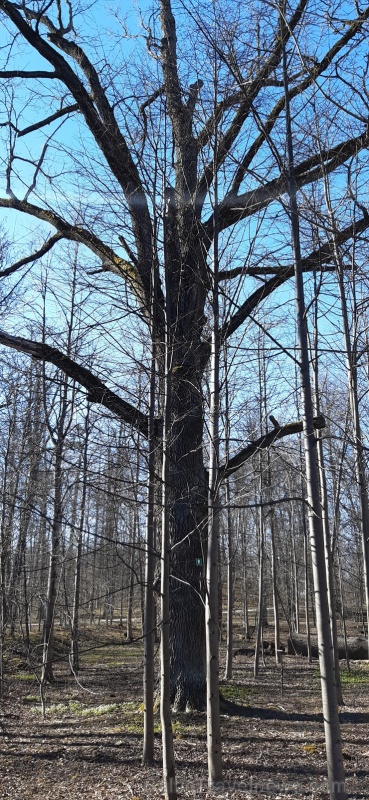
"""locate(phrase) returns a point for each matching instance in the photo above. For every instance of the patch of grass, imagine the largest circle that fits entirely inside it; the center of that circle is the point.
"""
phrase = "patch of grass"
(26, 677)
(30, 699)
(56, 708)
(114, 655)
(183, 727)
(71, 707)
(356, 676)
(100, 711)
(311, 748)
(236, 693)
(131, 714)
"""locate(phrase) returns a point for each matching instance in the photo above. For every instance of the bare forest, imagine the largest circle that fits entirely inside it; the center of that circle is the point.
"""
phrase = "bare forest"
(184, 361)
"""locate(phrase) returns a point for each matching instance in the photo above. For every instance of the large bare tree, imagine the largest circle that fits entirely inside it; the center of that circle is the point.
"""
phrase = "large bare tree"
(111, 146)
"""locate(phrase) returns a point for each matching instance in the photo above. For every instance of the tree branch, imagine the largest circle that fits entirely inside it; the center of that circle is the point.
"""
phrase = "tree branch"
(25, 74)
(278, 432)
(181, 115)
(237, 207)
(111, 262)
(97, 391)
(41, 124)
(33, 257)
(315, 260)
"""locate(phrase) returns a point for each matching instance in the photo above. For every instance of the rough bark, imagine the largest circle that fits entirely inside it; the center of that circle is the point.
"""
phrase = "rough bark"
(187, 493)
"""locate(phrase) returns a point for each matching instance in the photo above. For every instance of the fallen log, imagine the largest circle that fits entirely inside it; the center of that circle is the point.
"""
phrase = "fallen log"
(357, 647)
(268, 648)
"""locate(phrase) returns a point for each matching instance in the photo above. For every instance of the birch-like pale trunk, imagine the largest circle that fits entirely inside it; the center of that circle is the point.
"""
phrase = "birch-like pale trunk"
(246, 624)
(229, 645)
(295, 580)
(169, 772)
(74, 652)
(149, 606)
(3, 559)
(261, 532)
(351, 366)
(214, 745)
(260, 606)
(335, 769)
(230, 554)
(273, 557)
(325, 518)
(51, 595)
(306, 575)
(343, 611)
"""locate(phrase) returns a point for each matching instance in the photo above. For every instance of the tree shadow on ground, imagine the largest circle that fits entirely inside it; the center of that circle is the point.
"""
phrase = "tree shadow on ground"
(237, 710)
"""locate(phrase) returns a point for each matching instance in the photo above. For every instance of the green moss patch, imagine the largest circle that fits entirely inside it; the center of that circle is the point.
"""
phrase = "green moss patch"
(236, 693)
(355, 676)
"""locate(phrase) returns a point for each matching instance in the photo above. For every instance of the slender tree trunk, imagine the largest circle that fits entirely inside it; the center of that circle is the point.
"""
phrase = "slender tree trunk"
(211, 598)
(325, 518)
(336, 775)
(74, 654)
(230, 555)
(261, 498)
(94, 558)
(295, 581)
(343, 613)
(230, 579)
(260, 607)
(245, 589)
(6, 525)
(2, 607)
(351, 359)
(277, 641)
(131, 579)
(149, 605)
(48, 635)
(169, 775)
(306, 568)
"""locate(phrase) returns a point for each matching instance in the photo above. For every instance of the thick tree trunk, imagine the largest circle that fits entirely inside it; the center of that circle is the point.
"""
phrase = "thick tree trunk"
(187, 499)
(187, 493)
(188, 523)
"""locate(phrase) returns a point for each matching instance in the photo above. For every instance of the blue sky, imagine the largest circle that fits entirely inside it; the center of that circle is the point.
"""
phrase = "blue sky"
(80, 192)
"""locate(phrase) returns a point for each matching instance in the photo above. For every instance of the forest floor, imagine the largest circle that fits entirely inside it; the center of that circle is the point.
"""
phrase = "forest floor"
(89, 744)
